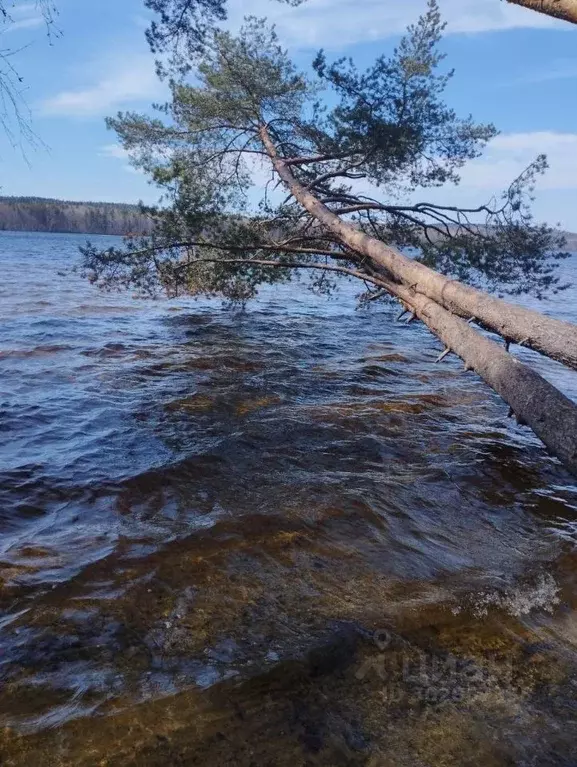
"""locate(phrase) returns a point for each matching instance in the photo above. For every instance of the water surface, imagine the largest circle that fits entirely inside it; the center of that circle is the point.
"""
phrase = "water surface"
(279, 536)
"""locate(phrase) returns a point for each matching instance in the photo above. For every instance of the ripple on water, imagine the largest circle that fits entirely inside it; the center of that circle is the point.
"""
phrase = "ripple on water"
(271, 527)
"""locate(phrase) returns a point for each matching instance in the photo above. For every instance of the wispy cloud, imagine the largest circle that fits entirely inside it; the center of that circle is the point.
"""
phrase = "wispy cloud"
(337, 23)
(561, 69)
(125, 82)
(505, 158)
(22, 16)
(487, 177)
(32, 22)
(113, 150)
(509, 154)
(116, 152)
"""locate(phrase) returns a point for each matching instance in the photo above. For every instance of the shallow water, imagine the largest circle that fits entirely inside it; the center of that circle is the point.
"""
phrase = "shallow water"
(282, 536)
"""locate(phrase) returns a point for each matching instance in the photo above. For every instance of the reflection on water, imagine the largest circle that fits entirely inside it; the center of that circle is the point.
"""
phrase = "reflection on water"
(274, 537)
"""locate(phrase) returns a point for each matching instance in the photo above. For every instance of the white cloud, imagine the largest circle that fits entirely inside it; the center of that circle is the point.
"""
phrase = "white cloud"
(22, 16)
(116, 152)
(126, 81)
(508, 154)
(113, 150)
(32, 22)
(505, 157)
(337, 23)
(487, 177)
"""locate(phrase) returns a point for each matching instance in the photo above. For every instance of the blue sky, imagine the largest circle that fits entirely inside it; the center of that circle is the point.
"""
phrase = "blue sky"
(514, 67)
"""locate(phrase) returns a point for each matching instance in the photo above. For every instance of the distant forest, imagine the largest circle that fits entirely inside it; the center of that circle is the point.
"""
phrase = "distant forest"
(42, 214)
(38, 214)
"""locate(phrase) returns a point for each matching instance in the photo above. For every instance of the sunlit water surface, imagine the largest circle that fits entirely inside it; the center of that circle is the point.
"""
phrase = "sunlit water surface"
(279, 536)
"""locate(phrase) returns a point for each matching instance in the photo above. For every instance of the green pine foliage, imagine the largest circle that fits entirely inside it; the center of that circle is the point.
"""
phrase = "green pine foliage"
(365, 143)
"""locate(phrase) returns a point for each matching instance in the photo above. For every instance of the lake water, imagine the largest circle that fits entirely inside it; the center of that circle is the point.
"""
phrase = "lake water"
(282, 536)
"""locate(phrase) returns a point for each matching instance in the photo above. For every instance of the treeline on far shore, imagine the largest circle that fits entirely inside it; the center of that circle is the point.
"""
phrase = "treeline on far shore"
(42, 214)
(37, 214)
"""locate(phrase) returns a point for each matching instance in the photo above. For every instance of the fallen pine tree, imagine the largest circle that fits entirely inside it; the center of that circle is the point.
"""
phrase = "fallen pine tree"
(552, 337)
(249, 111)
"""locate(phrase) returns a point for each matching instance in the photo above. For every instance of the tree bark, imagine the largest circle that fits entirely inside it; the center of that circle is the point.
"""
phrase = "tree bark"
(536, 402)
(559, 9)
(436, 301)
(554, 338)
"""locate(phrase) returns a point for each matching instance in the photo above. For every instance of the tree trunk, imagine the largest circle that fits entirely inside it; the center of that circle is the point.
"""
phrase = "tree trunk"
(551, 337)
(560, 9)
(436, 300)
(536, 402)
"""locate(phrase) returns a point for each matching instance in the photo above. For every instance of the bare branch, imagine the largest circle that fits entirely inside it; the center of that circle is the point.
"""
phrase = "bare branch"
(272, 248)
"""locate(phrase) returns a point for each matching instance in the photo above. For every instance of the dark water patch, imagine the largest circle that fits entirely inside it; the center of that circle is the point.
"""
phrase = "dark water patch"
(377, 371)
(108, 350)
(38, 351)
(391, 357)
